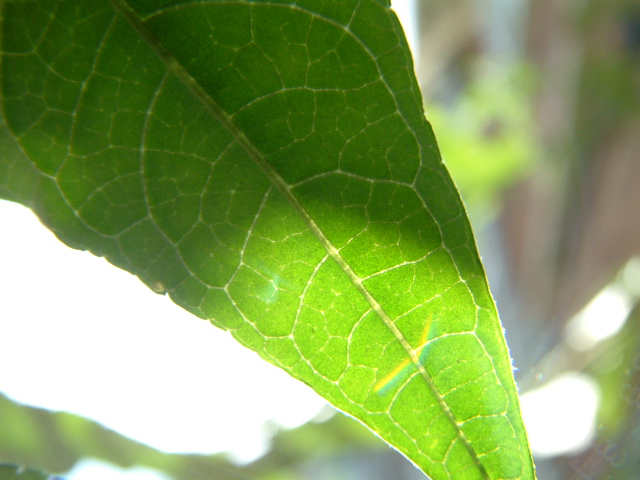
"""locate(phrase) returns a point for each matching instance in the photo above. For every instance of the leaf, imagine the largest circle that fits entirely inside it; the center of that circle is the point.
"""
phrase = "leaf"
(268, 165)
(15, 472)
(57, 441)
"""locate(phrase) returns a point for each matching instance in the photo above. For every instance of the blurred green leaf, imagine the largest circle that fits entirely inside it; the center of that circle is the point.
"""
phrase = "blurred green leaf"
(269, 166)
(56, 441)
(486, 134)
(15, 472)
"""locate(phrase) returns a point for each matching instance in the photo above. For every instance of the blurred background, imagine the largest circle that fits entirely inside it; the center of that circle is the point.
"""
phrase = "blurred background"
(536, 107)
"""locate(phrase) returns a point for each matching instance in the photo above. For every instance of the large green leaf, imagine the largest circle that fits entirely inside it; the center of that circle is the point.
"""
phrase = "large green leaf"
(268, 165)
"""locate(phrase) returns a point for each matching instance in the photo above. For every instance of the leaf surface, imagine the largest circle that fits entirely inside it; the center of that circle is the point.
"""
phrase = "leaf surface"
(269, 166)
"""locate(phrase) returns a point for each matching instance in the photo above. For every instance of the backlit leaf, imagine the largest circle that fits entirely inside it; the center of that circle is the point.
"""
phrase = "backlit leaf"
(268, 165)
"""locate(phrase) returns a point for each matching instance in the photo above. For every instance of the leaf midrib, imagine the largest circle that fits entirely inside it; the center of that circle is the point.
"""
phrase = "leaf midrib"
(132, 16)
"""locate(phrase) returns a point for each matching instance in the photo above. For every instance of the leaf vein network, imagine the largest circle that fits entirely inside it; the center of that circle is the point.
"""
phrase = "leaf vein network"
(286, 189)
